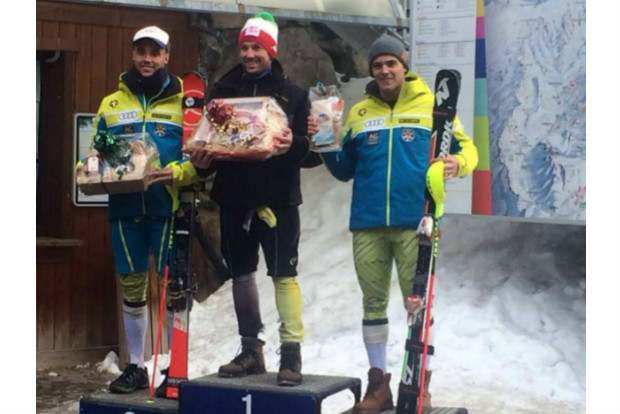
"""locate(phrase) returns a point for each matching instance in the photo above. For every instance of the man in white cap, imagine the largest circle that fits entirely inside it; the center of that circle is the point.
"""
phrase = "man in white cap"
(148, 101)
(385, 151)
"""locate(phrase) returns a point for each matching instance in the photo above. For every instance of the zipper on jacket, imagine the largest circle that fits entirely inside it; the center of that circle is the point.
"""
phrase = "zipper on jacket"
(144, 106)
(255, 86)
(389, 173)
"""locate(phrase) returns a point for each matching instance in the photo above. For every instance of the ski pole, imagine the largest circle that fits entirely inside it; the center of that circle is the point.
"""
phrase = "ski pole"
(162, 304)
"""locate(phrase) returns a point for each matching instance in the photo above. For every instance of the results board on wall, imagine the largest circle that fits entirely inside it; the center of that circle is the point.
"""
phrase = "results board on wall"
(444, 35)
(522, 99)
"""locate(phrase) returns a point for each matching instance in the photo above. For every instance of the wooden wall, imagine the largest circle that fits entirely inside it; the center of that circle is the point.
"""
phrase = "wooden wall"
(76, 284)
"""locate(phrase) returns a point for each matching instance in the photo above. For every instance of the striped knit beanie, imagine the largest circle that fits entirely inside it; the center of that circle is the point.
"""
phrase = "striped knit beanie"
(262, 29)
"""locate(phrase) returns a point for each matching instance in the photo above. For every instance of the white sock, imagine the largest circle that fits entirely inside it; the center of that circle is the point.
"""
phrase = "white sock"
(376, 355)
(375, 339)
(431, 341)
(135, 320)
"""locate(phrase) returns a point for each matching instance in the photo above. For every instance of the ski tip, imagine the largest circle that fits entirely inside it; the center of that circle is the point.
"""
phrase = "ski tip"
(150, 401)
(193, 73)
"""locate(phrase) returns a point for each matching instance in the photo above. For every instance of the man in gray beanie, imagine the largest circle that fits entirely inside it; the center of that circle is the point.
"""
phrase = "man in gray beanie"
(385, 148)
(387, 45)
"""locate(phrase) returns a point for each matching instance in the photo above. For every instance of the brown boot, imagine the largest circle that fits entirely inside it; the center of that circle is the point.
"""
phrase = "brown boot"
(290, 364)
(249, 361)
(378, 395)
(426, 396)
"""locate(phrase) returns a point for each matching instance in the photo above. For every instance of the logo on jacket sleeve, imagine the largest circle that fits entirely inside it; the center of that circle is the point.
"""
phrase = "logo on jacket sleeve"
(160, 130)
(373, 138)
(407, 135)
(408, 121)
(362, 112)
(113, 103)
(161, 116)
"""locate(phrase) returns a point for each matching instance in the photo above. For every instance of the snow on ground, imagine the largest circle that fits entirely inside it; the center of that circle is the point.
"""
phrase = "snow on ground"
(509, 309)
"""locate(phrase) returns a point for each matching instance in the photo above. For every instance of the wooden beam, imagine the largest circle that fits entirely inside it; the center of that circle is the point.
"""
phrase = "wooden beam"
(132, 17)
(72, 357)
(57, 43)
(56, 242)
(77, 13)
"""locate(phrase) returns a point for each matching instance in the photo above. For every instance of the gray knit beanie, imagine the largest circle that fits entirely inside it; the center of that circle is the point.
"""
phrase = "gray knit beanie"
(386, 45)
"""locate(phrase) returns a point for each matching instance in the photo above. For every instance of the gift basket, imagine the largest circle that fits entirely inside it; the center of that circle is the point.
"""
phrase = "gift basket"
(327, 107)
(117, 164)
(240, 128)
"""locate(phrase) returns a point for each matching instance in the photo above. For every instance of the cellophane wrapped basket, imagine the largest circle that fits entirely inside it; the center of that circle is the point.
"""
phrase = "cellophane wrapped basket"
(327, 107)
(117, 164)
(240, 128)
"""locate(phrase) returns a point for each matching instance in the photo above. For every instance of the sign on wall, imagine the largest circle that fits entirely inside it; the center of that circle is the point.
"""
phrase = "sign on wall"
(445, 38)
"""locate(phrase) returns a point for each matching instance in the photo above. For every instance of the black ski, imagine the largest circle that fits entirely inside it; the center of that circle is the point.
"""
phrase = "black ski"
(447, 84)
(180, 287)
(181, 283)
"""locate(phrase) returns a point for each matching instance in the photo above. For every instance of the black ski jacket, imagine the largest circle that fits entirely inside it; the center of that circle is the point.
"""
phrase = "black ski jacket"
(276, 181)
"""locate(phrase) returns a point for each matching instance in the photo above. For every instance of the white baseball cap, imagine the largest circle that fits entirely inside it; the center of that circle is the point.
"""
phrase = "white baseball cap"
(154, 33)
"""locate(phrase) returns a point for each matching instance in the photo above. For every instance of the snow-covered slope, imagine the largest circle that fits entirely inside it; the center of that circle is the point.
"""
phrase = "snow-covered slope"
(509, 309)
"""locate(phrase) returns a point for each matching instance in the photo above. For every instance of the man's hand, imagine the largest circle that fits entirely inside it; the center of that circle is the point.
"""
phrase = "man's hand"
(283, 141)
(450, 167)
(160, 175)
(313, 125)
(199, 157)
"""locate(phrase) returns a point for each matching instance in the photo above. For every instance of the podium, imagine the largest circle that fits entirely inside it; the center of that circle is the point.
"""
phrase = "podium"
(254, 394)
(108, 403)
(260, 394)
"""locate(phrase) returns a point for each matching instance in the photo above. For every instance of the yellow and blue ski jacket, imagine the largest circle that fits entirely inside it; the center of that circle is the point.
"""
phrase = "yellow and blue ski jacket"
(124, 112)
(386, 151)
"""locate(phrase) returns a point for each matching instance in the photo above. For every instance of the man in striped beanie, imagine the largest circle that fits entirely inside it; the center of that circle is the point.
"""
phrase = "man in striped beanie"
(262, 29)
(259, 205)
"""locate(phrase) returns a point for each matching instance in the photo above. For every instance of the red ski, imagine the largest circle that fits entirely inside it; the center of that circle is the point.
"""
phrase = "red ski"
(193, 102)
(181, 284)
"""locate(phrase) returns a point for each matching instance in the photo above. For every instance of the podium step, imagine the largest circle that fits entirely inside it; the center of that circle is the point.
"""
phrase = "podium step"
(108, 403)
(260, 394)
(254, 394)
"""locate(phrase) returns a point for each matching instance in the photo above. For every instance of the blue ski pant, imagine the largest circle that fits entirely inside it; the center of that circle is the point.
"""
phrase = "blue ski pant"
(133, 239)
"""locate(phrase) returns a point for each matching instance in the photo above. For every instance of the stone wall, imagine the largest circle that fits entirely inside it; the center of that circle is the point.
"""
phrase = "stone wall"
(309, 52)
